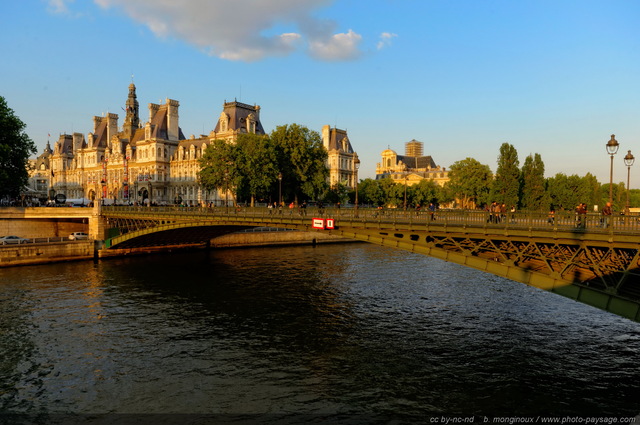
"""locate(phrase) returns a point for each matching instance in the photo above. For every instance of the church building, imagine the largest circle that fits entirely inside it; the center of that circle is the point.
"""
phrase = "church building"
(412, 167)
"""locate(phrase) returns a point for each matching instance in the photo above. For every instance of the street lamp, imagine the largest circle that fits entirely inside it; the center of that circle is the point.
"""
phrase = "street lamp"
(356, 166)
(226, 189)
(612, 149)
(280, 190)
(628, 161)
(405, 191)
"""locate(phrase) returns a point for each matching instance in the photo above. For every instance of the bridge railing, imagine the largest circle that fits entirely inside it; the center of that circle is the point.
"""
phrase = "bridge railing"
(561, 220)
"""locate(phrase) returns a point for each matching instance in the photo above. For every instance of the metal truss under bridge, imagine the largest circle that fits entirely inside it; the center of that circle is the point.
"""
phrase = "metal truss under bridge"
(580, 257)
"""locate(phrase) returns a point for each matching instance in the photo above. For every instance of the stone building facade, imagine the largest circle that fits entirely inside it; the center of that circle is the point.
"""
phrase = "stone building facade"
(150, 163)
(153, 162)
(342, 160)
(411, 168)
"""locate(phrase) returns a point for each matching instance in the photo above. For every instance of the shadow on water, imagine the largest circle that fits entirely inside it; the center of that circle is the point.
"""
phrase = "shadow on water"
(330, 331)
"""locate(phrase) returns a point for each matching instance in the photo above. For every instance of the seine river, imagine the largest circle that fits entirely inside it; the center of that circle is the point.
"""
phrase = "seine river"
(329, 334)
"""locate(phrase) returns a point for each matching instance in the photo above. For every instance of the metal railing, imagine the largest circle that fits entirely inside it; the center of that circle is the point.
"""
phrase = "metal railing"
(561, 220)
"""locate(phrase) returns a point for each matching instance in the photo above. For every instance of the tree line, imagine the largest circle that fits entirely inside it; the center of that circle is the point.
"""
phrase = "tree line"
(473, 185)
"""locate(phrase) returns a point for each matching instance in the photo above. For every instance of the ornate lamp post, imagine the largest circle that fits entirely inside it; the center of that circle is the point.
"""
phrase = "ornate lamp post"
(356, 166)
(628, 161)
(612, 149)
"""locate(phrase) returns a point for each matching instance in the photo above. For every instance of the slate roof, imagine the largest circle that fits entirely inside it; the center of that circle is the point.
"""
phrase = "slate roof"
(238, 113)
(335, 141)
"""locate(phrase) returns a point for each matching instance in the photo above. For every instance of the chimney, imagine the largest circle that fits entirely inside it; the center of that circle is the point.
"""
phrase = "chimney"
(112, 125)
(153, 109)
(325, 136)
(173, 131)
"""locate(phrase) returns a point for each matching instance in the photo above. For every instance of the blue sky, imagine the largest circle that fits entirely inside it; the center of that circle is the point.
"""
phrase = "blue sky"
(462, 76)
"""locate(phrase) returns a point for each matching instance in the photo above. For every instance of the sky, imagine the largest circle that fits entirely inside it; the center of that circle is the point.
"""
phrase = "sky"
(553, 77)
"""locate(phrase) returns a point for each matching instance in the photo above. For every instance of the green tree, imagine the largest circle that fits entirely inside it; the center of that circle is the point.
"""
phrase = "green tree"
(219, 168)
(469, 181)
(566, 192)
(425, 192)
(619, 196)
(506, 185)
(301, 160)
(590, 190)
(256, 161)
(534, 195)
(392, 193)
(337, 193)
(370, 192)
(15, 149)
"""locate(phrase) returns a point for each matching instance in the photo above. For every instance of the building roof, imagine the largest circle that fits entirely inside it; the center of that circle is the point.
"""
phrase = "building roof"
(417, 161)
(339, 141)
(238, 114)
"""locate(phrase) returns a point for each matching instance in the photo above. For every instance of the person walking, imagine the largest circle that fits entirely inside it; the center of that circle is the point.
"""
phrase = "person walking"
(607, 212)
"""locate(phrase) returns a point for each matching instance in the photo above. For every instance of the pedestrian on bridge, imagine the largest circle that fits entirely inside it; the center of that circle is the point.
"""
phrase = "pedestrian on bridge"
(607, 212)
(581, 211)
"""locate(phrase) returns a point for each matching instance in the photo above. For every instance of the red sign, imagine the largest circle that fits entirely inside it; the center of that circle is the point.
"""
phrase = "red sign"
(321, 223)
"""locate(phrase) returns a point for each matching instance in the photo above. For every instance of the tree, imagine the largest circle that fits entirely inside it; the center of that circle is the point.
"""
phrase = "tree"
(302, 161)
(337, 193)
(469, 181)
(425, 192)
(392, 193)
(506, 185)
(255, 158)
(15, 149)
(566, 192)
(218, 167)
(370, 192)
(534, 195)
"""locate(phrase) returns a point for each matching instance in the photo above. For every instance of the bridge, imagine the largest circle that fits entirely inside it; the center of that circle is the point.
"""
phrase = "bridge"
(579, 257)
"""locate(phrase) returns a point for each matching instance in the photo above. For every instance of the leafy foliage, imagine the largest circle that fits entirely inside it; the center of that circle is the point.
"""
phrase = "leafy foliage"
(302, 160)
(256, 161)
(469, 181)
(219, 167)
(533, 195)
(506, 185)
(15, 149)
(370, 192)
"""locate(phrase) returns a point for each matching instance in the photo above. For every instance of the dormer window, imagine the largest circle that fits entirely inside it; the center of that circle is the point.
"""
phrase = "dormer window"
(224, 122)
(251, 124)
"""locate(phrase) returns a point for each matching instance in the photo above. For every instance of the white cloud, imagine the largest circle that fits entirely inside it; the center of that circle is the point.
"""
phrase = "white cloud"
(241, 29)
(385, 40)
(61, 7)
(338, 47)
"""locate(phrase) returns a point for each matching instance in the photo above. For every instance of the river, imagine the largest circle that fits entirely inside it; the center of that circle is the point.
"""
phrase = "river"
(326, 334)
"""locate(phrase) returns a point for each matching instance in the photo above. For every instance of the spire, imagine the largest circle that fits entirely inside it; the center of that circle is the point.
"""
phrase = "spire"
(132, 120)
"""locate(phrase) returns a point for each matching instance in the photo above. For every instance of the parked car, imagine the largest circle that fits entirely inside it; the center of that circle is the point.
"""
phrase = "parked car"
(76, 236)
(6, 240)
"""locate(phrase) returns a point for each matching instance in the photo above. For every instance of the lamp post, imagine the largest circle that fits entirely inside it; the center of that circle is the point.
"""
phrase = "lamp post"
(356, 166)
(612, 149)
(405, 191)
(226, 190)
(280, 190)
(628, 161)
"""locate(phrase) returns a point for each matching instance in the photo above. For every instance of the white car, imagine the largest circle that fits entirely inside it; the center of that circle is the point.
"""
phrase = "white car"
(6, 240)
(76, 236)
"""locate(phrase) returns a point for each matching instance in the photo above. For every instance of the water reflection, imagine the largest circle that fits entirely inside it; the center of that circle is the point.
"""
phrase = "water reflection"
(329, 331)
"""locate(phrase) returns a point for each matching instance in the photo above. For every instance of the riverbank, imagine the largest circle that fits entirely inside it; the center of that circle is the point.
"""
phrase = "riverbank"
(43, 253)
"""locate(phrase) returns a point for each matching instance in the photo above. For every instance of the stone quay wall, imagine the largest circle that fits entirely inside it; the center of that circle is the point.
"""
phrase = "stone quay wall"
(42, 253)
